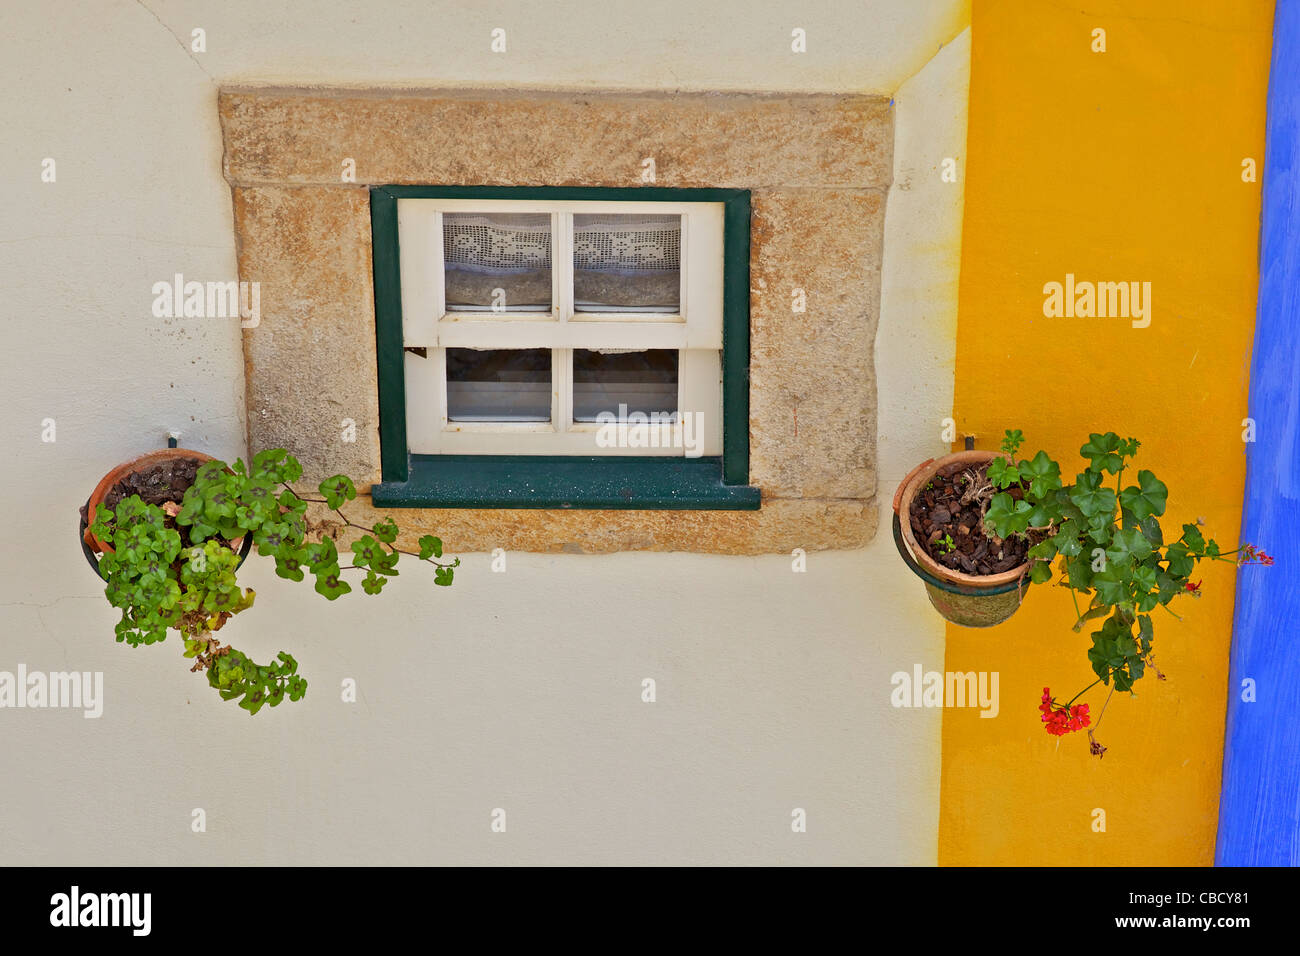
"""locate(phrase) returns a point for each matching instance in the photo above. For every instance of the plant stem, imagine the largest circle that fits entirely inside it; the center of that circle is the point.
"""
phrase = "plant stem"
(1103, 709)
(1084, 691)
(360, 527)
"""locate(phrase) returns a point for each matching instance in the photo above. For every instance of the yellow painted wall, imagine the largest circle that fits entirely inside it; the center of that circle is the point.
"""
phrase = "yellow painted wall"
(1123, 165)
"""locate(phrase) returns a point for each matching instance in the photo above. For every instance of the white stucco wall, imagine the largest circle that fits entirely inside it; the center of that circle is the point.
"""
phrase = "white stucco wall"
(518, 690)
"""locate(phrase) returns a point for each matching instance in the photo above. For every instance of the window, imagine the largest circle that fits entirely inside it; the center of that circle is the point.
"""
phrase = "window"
(562, 347)
(542, 326)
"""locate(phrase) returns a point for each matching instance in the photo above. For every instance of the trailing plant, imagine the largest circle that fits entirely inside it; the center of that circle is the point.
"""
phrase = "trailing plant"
(174, 567)
(1107, 546)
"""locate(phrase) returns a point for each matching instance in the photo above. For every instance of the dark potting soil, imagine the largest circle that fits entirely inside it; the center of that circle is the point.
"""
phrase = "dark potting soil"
(951, 508)
(156, 484)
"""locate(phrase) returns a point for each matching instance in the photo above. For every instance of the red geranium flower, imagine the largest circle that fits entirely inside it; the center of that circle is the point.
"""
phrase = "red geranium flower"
(1194, 589)
(1061, 720)
(1253, 555)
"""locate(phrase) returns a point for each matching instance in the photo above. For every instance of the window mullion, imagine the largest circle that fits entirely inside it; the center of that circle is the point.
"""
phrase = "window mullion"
(562, 264)
(562, 359)
(562, 381)
(439, 359)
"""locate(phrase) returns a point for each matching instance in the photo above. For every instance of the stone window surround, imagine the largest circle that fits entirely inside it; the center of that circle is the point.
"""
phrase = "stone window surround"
(818, 167)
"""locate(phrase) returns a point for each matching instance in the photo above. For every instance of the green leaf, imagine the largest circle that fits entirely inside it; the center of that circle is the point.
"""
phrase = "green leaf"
(1147, 498)
(442, 577)
(1136, 668)
(202, 531)
(1091, 615)
(290, 566)
(1146, 633)
(1067, 538)
(386, 563)
(1126, 546)
(1180, 561)
(1091, 498)
(1003, 473)
(1154, 533)
(386, 530)
(338, 490)
(220, 504)
(290, 501)
(372, 583)
(330, 584)
(1144, 578)
(1042, 515)
(1099, 655)
(1007, 516)
(102, 528)
(1103, 452)
(271, 537)
(1079, 572)
(1110, 585)
(366, 549)
(1193, 538)
(276, 465)
(430, 546)
(1044, 550)
(321, 555)
(209, 474)
(247, 518)
(1043, 474)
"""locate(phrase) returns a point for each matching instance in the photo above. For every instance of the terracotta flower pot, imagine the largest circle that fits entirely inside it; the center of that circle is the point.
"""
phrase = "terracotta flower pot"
(970, 600)
(120, 472)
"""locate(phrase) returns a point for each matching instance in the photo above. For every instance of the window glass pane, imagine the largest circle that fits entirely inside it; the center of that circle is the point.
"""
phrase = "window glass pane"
(627, 262)
(497, 262)
(640, 381)
(499, 385)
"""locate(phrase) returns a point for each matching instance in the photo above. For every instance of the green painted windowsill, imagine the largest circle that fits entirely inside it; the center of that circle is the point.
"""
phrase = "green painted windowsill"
(527, 481)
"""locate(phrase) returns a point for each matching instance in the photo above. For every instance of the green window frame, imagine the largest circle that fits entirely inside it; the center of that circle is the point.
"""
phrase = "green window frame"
(533, 481)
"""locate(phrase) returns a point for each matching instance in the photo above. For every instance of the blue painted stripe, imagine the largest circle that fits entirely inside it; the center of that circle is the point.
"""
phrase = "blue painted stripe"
(1259, 811)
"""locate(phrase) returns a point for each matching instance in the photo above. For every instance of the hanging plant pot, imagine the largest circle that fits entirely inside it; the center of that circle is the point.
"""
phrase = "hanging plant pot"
(989, 580)
(158, 476)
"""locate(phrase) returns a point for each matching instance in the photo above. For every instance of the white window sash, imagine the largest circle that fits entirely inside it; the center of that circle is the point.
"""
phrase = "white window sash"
(695, 333)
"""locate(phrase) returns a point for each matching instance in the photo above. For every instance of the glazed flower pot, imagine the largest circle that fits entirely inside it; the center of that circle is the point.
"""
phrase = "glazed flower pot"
(970, 600)
(91, 544)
